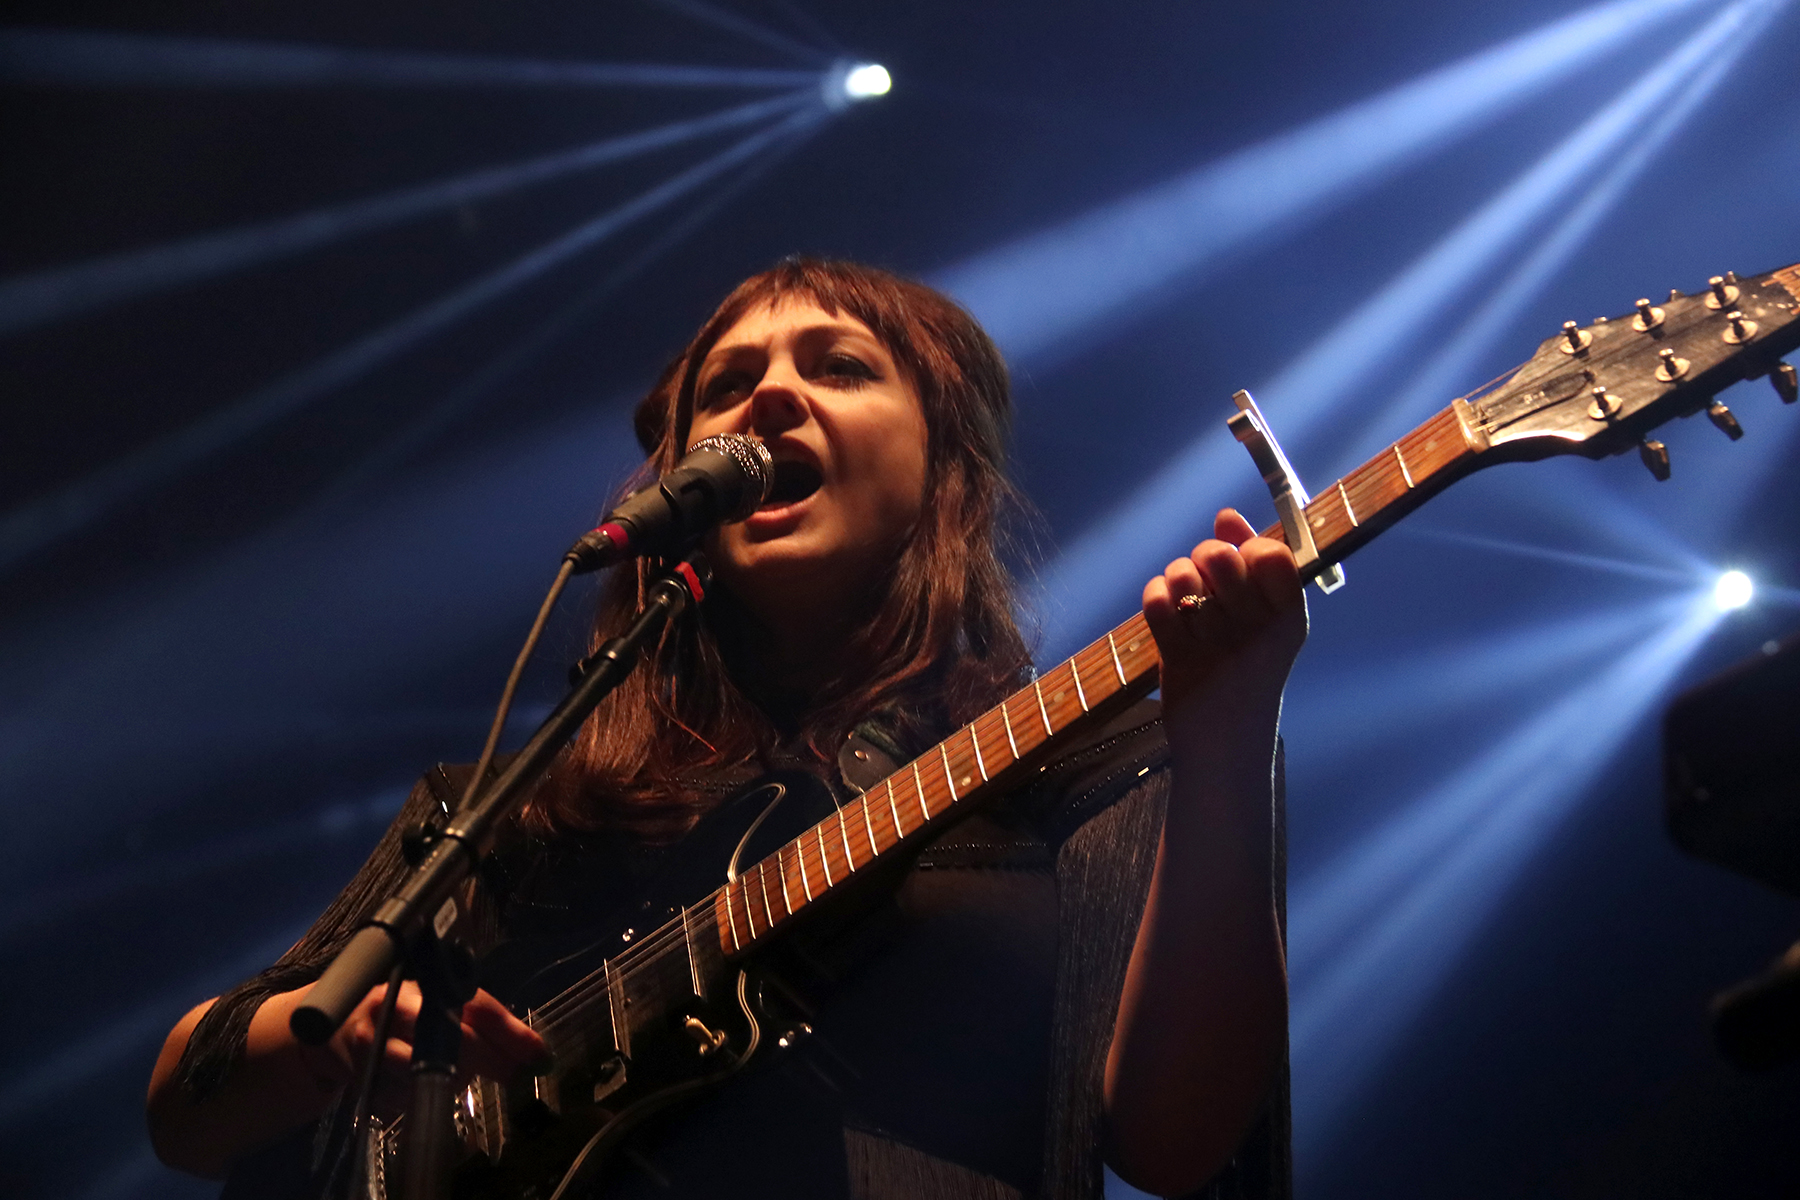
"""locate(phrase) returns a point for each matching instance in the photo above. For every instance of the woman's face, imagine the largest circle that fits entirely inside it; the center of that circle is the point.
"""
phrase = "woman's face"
(848, 436)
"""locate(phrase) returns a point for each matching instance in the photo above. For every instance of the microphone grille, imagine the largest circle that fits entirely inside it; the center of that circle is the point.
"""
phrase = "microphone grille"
(753, 460)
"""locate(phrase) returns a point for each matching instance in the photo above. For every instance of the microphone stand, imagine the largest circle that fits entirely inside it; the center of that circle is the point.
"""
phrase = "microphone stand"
(411, 925)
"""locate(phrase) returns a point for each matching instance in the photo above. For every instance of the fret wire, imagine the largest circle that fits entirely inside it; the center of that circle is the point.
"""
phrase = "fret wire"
(1075, 672)
(1114, 647)
(762, 880)
(749, 908)
(1344, 496)
(787, 901)
(799, 848)
(1404, 473)
(919, 791)
(949, 779)
(731, 920)
(975, 741)
(621, 1030)
(1038, 687)
(844, 832)
(1006, 719)
(899, 832)
(824, 856)
(687, 939)
(863, 803)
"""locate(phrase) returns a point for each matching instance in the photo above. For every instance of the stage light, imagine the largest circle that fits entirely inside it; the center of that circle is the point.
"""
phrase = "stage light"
(1732, 590)
(848, 82)
(867, 79)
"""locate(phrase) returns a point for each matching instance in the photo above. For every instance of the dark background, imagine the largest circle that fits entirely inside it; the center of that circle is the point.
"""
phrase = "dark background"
(218, 679)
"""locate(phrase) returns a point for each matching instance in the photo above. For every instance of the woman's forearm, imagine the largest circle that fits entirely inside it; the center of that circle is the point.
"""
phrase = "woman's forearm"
(277, 1086)
(1203, 1016)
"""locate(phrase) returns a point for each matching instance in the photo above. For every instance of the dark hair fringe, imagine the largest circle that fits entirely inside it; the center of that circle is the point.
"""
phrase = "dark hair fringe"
(938, 644)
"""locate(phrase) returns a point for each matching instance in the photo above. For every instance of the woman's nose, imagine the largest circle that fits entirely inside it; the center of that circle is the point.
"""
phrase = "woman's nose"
(777, 404)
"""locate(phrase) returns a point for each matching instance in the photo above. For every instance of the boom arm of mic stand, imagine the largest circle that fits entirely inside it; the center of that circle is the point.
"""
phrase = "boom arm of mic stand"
(427, 897)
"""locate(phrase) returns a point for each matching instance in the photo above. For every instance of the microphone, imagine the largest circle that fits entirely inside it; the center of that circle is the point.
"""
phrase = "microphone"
(724, 478)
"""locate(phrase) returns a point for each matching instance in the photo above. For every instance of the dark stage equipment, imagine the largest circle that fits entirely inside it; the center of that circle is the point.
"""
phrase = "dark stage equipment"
(1731, 750)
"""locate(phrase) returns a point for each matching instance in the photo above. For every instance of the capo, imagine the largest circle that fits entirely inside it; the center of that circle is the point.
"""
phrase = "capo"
(1250, 427)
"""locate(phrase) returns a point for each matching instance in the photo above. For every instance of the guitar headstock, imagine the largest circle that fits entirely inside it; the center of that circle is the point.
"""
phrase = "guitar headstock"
(1597, 390)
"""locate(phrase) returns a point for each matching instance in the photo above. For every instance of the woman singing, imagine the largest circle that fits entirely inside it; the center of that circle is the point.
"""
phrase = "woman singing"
(1089, 970)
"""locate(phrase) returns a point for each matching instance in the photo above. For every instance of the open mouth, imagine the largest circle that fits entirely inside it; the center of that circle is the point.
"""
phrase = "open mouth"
(794, 482)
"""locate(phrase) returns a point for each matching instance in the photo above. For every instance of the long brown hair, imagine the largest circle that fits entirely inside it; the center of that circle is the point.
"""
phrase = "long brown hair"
(938, 643)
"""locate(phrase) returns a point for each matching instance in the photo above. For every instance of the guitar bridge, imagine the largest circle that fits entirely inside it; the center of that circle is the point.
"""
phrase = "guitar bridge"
(1251, 428)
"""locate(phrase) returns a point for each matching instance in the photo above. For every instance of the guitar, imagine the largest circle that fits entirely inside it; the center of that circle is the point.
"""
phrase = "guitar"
(639, 1021)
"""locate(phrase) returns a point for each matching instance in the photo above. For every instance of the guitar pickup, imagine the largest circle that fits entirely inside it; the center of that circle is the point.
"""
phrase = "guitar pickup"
(1251, 428)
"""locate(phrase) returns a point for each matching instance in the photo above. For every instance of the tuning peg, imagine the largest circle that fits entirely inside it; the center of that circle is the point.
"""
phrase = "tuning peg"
(1648, 318)
(1721, 416)
(1742, 329)
(1604, 405)
(1656, 458)
(1578, 339)
(1786, 385)
(1724, 292)
(1672, 366)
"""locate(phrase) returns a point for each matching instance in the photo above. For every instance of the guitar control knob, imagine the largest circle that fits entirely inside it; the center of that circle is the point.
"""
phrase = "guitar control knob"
(1648, 318)
(1578, 339)
(1786, 385)
(1672, 366)
(1742, 328)
(707, 1041)
(1724, 292)
(1723, 418)
(1656, 458)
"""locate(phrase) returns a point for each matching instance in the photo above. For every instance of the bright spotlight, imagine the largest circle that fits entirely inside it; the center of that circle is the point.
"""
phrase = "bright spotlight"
(1733, 590)
(848, 82)
(867, 79)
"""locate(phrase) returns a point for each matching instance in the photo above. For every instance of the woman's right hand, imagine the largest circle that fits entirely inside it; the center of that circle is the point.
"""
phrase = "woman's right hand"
(495, 1044)
(280, 1083)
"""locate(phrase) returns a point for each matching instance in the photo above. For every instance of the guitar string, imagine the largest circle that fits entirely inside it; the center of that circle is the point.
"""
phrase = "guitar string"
(586, 994)
(581, 996)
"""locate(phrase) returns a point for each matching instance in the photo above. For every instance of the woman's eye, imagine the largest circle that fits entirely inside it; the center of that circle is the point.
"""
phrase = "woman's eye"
(845, 366)
(724, 386)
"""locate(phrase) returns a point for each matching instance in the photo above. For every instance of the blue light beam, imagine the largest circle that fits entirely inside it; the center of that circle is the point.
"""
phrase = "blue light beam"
(1374, 935)
(469, 392)
(1430, 388)
(1131, 541)
(1368, 703)
(731, 22)
(1041, 296)
(40, 522)
(28, 301)
(85, 58)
